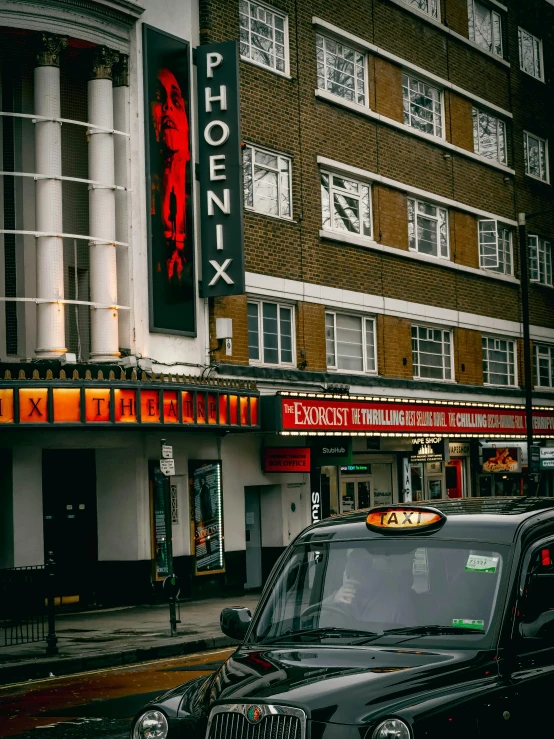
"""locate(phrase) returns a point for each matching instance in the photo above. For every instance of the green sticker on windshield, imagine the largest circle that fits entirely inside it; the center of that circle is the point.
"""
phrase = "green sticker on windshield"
(479, 563)
(468, 623)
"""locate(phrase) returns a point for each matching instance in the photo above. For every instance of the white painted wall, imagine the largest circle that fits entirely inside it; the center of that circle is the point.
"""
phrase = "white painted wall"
(241, 456)
(28, 539)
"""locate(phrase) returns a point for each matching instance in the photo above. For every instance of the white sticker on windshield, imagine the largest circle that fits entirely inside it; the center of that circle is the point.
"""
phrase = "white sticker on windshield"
(479, 563)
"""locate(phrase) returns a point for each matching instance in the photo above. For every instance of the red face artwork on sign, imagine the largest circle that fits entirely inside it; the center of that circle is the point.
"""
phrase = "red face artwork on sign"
(171, 130)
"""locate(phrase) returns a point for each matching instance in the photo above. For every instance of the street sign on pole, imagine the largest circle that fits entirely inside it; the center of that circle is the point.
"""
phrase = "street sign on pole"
(167, 451)
(167, 467)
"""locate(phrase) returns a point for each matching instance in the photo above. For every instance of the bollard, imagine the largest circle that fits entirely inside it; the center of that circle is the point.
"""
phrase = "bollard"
(51, 639)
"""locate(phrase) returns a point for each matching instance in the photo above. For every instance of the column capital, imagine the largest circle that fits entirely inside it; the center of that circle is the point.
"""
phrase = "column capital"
(50, 47)
(103, 59)
(121, 72)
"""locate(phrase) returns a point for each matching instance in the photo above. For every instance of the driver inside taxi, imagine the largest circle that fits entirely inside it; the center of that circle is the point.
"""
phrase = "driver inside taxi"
(375, 588)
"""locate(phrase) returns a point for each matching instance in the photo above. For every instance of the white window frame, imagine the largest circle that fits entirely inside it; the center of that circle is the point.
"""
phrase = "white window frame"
(542, 257)
(253, 149)
(500, 126)
(285, 18)
(364, 321)
(261, 361)
(520, 31)
(485, 260)
(471, 9)
(326, 36)
(331, 228)
(411, 76)
(436, 17)
(416, 201)
(550, 358)
(450, 333)
(526, 134)
(514, 350)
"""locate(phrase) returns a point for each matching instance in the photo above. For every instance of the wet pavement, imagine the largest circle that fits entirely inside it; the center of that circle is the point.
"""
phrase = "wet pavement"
(95, 705)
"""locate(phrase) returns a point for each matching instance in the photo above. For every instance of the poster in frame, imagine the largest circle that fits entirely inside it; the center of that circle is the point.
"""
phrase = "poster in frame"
(169, 183)
(206, 498)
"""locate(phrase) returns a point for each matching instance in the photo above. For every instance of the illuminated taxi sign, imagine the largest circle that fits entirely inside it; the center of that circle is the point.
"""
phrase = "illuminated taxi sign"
(403, 519)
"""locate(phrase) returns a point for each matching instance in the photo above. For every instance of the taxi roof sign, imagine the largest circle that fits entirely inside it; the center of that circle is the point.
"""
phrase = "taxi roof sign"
(404, 519)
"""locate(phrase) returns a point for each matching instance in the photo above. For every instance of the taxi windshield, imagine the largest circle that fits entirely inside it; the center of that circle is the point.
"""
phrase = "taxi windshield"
(360, 591)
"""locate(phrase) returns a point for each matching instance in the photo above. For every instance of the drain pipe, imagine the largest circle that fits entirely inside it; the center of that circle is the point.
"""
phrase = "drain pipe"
(103, 264)
(50, 336)
(121, 151)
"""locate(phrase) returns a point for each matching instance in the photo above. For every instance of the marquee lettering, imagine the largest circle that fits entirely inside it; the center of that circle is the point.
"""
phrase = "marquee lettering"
(35, 407)
(172, 410)
(152, 411)
(127, 406)
(98, 401)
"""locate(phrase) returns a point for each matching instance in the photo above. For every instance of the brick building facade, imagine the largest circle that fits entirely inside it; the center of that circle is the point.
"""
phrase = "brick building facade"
(412, 133)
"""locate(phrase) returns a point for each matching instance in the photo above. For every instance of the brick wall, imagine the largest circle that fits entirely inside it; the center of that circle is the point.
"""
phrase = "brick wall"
(235, 308)
(468, 360)
(283, 114)
(390, 217)
(459, 120)
(385, 80)
(310, 332)
(394, 347)
(464, 237)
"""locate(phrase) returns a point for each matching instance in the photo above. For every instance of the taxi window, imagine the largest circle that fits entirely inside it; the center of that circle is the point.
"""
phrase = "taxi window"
(378, 585)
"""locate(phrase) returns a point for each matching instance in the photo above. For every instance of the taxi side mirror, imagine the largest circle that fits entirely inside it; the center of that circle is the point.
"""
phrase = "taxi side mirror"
(235, 621)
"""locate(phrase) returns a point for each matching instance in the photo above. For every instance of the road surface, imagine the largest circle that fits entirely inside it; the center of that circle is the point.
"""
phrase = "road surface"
(95, 705)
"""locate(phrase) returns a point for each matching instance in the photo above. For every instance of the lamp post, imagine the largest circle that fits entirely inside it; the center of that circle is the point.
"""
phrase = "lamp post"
(527, 367)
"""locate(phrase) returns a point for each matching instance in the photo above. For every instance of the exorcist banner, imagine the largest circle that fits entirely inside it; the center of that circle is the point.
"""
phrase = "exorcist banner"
(305, 415)
(169, 183)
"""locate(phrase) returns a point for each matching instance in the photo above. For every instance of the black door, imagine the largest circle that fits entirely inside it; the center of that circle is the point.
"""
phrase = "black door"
(70, 527)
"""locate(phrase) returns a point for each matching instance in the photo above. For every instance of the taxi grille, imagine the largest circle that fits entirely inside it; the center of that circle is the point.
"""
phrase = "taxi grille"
(236, 726)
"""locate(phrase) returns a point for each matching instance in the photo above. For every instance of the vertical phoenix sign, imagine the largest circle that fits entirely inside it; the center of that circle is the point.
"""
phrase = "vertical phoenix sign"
(220, 170)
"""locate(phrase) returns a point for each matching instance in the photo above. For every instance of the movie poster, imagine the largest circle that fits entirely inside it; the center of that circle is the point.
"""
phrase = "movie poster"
(169, 183)
(207, 512)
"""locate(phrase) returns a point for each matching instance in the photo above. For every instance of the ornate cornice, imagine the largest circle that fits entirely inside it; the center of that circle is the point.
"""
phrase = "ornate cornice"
(103, 60)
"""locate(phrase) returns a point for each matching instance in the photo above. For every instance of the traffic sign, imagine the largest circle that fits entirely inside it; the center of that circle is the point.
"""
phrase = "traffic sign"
(167, 451)
(167, 467)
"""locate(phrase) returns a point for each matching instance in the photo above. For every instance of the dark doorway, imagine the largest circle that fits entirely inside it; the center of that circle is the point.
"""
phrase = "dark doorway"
(70, 527)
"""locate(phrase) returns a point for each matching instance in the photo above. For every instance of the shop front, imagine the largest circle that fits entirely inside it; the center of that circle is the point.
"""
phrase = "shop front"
(96, 470)
(368, 451)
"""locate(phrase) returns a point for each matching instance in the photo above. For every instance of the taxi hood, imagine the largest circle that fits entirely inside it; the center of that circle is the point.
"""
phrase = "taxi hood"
(343, 684)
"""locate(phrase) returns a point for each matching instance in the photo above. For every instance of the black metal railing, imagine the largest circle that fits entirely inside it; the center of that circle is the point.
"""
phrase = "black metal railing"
(27, 608)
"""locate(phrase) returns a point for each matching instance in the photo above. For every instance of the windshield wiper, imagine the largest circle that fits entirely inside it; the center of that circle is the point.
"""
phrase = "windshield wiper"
(427, 630)
(321, 633)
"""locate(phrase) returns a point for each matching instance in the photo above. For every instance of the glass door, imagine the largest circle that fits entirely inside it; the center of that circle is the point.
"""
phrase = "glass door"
(356, 493)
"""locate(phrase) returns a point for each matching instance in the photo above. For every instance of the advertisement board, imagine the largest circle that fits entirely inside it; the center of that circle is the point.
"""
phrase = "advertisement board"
(206, 495)
(171, 267)
(501, 459)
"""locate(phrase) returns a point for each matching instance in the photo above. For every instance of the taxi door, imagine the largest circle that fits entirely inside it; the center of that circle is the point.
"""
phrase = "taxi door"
(532, 675)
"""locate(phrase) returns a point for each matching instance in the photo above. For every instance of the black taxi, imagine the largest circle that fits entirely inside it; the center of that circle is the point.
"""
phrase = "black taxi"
(401, 622)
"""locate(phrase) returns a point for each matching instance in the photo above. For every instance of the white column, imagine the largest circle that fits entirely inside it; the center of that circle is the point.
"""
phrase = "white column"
(48, 192)
(121, 151)
(103, 266)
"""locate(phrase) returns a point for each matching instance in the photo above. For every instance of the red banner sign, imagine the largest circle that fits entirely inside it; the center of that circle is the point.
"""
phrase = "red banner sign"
(281, 459)
(358, 416)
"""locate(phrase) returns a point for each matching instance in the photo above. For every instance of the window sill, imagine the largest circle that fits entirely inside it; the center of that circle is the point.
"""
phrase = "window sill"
(537, 179)
(252, 363)
(533, 77)
(267, 69)
(368, 113)
(490, 384)
(435, 261)
(536, 283)
(450, 32)
(432, 379)
(358, 373)
(269, 215)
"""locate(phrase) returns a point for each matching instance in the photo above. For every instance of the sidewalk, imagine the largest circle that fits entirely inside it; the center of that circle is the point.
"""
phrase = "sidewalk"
(121, 636)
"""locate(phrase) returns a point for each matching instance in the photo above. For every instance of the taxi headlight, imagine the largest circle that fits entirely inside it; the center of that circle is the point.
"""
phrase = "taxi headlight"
(151, 725)
(392, 728)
